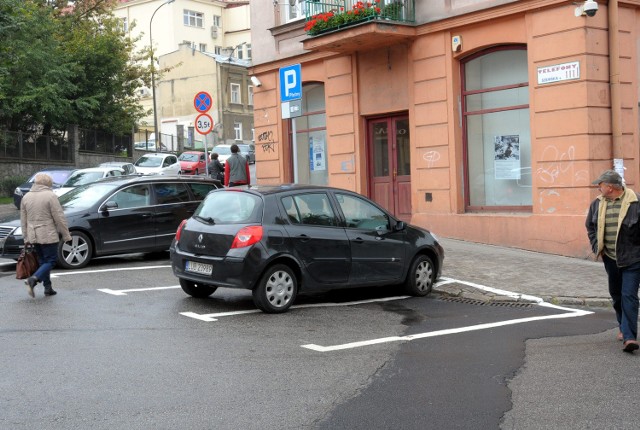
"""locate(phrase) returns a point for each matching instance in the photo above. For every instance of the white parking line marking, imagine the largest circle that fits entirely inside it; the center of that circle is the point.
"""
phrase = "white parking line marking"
(214, 317)
(133, 290)
(84, 272)
(571, 313)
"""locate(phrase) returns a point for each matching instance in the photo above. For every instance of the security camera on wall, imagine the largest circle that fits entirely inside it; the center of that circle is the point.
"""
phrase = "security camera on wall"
(589, 8)
(255, 81)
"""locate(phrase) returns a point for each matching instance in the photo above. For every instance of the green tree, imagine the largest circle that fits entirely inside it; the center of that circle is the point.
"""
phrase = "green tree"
(67, 65)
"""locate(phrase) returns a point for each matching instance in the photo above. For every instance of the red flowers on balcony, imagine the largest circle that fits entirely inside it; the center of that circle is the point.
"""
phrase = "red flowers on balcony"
(335, 19)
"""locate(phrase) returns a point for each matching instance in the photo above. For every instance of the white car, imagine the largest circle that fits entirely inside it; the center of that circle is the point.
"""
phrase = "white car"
(158, 164)
(86, 176)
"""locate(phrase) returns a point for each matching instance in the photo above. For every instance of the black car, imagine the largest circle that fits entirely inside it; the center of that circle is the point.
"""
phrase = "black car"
(279, 240)
(59, 175)
(116, 216)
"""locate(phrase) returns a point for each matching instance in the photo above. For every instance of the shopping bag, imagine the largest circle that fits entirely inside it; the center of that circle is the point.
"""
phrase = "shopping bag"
(27, 263)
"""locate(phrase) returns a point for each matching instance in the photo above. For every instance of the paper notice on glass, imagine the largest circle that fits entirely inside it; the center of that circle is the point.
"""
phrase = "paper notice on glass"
(319, 157)
(507, 157)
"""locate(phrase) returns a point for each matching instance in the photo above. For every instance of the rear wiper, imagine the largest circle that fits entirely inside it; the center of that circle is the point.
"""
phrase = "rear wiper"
(208, 220)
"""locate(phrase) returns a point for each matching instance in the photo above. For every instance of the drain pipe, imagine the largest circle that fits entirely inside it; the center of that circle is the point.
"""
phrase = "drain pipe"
(614, 88)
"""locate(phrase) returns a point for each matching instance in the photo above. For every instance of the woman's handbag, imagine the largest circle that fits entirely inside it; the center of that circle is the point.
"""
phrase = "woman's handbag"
(27, 263)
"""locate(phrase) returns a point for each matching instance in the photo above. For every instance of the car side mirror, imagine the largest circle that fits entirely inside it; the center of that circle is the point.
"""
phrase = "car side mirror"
(400, 225)
(109, 205)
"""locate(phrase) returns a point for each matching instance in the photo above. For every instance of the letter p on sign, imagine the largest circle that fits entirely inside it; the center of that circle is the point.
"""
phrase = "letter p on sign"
(290, 83)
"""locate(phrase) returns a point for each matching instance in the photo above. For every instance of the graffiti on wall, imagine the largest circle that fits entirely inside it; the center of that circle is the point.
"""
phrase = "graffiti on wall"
(559, 167)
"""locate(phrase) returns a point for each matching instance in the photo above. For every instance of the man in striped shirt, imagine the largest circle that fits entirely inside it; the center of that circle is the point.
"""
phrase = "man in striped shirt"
(613, 227)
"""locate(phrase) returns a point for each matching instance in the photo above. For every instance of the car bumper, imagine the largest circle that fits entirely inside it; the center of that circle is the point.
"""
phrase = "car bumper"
(230, 271)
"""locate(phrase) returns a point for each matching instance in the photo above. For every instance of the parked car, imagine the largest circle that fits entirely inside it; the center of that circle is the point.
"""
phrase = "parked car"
(192, 163)
(149, 145)
(158, 164)
(248, 151)
(224, 152)
(116, 216)
(87, 176)
(129, 168)
(279, 240)
(58, 174)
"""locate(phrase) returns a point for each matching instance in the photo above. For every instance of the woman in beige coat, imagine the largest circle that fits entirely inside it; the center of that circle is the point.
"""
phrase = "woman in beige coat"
(43, 224)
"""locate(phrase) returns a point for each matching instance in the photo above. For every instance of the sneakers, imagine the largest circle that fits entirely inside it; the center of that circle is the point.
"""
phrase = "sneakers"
(31, 282)
(630, 346)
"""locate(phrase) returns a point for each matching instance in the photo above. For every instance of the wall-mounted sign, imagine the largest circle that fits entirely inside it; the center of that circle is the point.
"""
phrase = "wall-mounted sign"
(558, 72)
(292, 109)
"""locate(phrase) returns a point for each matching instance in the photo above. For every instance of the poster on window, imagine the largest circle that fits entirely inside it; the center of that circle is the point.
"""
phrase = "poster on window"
(317, 156)
(507, 156)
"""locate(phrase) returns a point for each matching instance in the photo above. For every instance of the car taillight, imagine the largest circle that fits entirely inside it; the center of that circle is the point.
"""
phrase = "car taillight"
(247, 236)
(179, 231)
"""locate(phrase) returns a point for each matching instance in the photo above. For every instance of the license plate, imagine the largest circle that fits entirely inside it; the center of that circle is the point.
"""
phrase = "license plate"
(200, 268)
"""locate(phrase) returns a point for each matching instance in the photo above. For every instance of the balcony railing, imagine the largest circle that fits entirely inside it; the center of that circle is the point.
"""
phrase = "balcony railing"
(331, 15)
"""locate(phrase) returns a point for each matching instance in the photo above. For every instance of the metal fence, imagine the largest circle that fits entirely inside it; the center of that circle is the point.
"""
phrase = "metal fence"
(349, 12)
(35, 146)
(104, 143)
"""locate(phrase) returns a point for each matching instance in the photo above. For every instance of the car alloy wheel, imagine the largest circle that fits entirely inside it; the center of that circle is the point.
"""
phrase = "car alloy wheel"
(76, 253)
(277, 289)
(420, 277)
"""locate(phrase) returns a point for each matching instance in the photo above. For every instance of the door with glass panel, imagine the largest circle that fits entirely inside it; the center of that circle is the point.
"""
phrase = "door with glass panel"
(390, 164)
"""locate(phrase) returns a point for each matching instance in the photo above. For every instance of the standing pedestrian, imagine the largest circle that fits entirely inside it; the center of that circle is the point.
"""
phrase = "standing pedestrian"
(613, 227)
(43, 224)
(236, 169)
(216, 169)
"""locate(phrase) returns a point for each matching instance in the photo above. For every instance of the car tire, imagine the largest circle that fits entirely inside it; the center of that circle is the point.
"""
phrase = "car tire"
(277, 289)
(76, 253)
(197, 290)
(420, 277)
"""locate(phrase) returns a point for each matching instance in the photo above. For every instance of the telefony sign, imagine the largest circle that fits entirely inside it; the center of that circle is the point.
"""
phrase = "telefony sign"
(559, 72)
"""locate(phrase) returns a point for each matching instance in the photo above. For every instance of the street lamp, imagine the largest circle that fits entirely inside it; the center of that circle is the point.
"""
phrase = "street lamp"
(153, 78)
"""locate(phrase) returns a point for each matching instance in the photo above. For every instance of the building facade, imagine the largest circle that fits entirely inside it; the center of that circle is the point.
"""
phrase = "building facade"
(480, 120)
(220, 27)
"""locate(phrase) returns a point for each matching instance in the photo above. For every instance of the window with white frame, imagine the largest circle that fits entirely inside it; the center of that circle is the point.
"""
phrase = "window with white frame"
(217, 50)
(193, 19)
(294, 11)
(235, 93)
(203, 47)
(237, 130)
(124, 24)
(217, 20)
(250, 92)
(240, 52)
(248, 51)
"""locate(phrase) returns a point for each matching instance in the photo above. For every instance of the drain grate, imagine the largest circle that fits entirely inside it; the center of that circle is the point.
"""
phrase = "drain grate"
(487, 303)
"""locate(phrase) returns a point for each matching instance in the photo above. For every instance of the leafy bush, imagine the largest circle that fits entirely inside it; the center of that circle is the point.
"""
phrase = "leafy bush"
(8, 185)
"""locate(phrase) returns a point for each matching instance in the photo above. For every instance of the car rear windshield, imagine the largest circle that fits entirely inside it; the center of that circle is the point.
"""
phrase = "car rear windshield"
(230, 207)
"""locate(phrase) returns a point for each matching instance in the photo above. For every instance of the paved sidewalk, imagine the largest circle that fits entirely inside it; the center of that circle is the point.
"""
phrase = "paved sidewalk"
(553, 278)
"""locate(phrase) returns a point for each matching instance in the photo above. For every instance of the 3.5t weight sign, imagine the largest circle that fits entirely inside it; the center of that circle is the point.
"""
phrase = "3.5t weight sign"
(204, 123)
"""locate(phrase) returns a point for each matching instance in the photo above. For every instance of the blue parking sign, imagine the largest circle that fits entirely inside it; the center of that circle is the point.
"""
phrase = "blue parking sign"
(290, 83)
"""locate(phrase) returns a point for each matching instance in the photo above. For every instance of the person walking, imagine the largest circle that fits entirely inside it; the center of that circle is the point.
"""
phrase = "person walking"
(216, 169)
(236, 169)
(43, 224)
(613, 228)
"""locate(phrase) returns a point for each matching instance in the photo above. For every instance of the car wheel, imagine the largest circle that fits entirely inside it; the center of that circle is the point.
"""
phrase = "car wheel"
(277, 290)
(76, 253)
(197, 290)
(421, 276)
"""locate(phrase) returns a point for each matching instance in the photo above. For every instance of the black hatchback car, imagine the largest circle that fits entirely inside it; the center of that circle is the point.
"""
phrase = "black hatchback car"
(279, 240)
(116, 216)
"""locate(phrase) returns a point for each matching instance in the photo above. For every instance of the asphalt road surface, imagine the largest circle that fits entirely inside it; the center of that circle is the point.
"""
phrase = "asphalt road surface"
(121, 347)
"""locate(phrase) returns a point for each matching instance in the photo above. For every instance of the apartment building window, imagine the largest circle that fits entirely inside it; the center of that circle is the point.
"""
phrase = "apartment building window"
(203, 47)
(237, 130)
(191, 44)
(497, 142)
(217, 20)
(250, 92)
(248, 51)
(124, 24)
(193, 19)
(235, 93)
(217, 50)
(294, 11)
(240, 51)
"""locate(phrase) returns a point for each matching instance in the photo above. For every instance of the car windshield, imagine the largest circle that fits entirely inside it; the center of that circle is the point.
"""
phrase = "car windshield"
(149, 161)
(188, 157)
(58, 176)
(230, 207)
(85, 196)
(81, 178)
(222, 150)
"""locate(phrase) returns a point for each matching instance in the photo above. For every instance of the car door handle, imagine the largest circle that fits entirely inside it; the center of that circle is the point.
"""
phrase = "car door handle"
(358, 240)
(304, 238)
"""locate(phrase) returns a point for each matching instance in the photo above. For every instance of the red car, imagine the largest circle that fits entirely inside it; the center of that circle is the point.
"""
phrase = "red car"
(192, 163)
